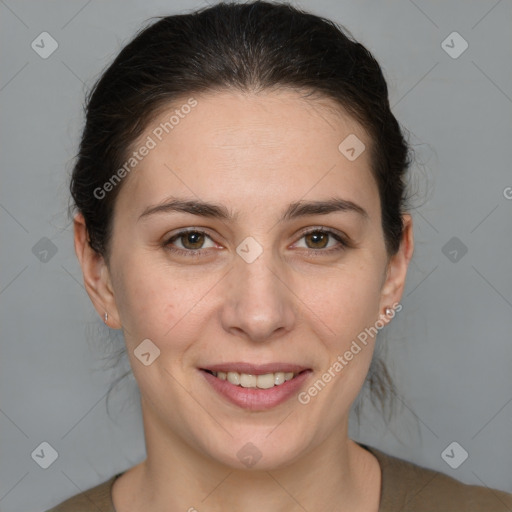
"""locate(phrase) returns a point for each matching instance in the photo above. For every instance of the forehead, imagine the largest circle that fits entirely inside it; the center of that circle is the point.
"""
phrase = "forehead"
(250, 150)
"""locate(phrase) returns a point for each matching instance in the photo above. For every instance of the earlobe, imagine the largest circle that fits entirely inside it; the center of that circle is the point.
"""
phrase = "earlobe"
(96, 274)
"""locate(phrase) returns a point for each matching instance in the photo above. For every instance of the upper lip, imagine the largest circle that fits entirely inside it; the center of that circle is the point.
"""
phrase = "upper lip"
(255, 369)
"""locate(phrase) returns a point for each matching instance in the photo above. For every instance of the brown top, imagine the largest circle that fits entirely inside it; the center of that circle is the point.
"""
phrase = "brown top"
(405, 487)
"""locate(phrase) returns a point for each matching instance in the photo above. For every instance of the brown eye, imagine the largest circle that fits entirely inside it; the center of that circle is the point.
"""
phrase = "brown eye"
(318, 239)
(192, 240)
(323, 241)
(189, 243)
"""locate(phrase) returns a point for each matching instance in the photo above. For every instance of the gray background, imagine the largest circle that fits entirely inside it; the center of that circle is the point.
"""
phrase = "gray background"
(450, 347)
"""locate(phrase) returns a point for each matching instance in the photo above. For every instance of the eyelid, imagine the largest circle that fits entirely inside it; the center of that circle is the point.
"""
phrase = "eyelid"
(325, 229)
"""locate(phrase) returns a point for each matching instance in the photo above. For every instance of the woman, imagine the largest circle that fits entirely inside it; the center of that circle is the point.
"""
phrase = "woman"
(242, 217)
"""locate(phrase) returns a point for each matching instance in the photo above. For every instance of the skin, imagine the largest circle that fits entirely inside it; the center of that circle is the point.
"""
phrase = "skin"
(255, 154)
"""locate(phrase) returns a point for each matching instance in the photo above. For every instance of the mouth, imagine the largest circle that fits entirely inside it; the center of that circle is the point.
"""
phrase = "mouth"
(255, 387)
(248, 380)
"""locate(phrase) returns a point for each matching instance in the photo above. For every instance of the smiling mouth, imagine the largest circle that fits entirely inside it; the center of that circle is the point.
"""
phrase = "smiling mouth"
(247, 380)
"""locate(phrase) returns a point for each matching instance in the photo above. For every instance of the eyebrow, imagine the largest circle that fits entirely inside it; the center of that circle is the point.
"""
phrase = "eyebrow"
(293, 211)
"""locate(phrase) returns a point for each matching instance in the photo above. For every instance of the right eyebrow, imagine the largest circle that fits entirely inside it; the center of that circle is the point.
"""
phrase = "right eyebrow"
(201, 208)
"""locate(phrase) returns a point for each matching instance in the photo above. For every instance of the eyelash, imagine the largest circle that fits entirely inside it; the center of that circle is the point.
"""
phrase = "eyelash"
(343, 243)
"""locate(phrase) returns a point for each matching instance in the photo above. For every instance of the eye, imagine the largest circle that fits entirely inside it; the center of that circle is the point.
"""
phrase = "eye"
(189, 242)
(323, 240)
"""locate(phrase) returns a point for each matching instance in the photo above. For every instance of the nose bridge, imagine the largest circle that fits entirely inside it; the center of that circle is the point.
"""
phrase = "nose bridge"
(258, 303)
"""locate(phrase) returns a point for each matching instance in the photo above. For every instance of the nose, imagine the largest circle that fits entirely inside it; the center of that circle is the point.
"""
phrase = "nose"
(259, 304)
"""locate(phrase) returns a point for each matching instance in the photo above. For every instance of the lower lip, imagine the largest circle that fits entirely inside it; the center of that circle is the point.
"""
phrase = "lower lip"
(256, 399)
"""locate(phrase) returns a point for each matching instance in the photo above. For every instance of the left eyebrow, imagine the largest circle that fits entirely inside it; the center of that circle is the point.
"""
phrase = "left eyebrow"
(293, 211)
(336, 204)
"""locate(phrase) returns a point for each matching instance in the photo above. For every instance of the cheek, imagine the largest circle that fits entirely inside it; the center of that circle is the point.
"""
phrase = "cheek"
(344, 302)
(160, 303)
(344, 311)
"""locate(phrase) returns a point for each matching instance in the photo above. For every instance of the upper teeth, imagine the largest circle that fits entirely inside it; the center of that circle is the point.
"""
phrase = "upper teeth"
(269, 380)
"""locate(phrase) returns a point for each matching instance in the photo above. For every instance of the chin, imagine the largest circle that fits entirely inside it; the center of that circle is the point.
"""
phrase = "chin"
(254, 450)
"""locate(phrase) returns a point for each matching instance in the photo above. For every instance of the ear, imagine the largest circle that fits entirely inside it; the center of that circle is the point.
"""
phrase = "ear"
(394, 283)
(96, 274)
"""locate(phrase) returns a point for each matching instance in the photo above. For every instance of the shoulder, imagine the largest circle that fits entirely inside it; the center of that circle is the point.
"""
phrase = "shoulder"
(92, 500)
(407, 486)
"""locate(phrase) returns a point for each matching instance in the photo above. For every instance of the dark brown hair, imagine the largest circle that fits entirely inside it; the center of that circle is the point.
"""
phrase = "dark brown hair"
(244, 47)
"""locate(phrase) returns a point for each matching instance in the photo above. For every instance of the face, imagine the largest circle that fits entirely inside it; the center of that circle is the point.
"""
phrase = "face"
(277, 270)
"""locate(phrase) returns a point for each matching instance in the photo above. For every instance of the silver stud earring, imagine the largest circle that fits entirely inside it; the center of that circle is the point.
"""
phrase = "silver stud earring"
(105, 318)
(388, 311)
